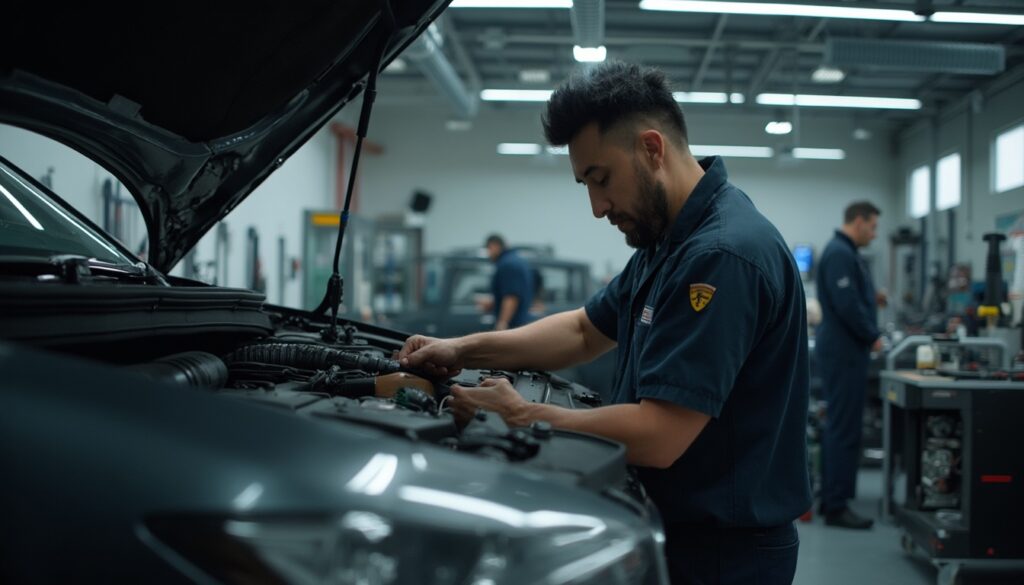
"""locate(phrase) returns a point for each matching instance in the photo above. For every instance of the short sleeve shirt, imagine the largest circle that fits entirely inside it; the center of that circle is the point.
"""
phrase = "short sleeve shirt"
(714, 320)
(513, 276)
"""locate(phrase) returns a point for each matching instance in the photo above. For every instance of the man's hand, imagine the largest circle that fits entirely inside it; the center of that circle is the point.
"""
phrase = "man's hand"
(494, 394)
(881, 299)
(437, 357)
(877, 345)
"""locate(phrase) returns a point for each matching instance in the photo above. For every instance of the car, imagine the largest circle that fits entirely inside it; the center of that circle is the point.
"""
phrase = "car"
(157, 429)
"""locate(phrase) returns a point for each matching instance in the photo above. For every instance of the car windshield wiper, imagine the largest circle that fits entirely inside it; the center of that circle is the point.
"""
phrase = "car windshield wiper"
(76, 269)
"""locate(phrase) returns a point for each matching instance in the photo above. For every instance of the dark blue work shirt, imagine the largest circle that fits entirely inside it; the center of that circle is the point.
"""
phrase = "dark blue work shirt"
(849, 318)
(715, 320)
(513, 276)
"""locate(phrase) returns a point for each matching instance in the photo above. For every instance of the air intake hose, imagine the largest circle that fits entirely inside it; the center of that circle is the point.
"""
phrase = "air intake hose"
(193, 368)
(309, 356)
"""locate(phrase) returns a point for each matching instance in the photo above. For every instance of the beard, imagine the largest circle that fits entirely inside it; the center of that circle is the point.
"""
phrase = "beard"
(651, 217)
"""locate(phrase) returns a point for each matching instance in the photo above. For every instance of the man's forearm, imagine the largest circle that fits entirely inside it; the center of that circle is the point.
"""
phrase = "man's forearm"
(509, 304)
(554, 342)
(640, 427)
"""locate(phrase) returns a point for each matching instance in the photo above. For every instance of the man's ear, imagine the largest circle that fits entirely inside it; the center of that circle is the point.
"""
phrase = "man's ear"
(651, 145)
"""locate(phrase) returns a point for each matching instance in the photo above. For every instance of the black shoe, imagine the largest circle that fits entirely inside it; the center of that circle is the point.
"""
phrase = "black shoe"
(847, 518)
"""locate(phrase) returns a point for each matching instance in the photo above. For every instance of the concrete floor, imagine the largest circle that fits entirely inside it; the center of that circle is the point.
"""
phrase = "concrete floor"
(836, 556)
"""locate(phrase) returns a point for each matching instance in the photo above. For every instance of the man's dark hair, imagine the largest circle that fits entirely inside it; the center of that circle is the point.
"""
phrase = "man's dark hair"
(862, 209)
(611, 93)
(495, 239)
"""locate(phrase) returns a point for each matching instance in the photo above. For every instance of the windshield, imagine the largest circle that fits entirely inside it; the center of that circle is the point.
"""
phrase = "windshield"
(33, 224)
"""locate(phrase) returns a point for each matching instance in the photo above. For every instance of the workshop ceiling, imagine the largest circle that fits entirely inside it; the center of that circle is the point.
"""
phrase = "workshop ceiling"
(732, 54)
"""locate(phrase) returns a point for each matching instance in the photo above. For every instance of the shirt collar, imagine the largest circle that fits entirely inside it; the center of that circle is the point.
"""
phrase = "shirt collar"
(703, 193)
(845, 238)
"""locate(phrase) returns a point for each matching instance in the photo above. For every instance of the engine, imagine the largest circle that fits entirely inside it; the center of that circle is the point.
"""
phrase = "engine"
(360, 383)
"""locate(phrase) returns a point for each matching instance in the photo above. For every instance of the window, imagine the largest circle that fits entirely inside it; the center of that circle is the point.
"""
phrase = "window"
(920, 201)
(947, 182)
(1009, 159)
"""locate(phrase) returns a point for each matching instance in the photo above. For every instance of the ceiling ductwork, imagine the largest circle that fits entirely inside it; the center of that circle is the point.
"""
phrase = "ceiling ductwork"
(428, 55)
(924, 56)
(588, 22)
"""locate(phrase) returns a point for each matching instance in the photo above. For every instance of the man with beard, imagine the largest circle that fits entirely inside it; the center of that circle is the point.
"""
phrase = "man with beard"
(710, 396)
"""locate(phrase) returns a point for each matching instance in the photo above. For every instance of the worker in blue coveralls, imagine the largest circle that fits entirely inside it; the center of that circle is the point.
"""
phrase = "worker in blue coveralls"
(843, 342)
(711, 387)
(512, 285)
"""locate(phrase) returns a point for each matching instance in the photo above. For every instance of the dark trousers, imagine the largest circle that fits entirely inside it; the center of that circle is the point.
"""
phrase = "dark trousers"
(844, 377)
(701, 555)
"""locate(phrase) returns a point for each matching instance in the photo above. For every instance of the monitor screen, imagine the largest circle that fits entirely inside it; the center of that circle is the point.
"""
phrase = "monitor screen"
(804, 256)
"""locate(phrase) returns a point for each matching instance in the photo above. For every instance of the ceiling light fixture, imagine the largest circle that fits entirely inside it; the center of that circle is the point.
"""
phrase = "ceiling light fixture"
(978, 18)
(819, 153)
(519, 148)
(535, 76)
(825, 74)
(589, 54)
(861, 134)
(515, 95)
(779, 128)
(780, 9)
(511, 4)
(458, 125)
(837, 101)
(731, 151)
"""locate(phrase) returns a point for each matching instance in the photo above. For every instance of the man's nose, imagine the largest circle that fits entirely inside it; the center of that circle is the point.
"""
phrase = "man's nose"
(599, 206)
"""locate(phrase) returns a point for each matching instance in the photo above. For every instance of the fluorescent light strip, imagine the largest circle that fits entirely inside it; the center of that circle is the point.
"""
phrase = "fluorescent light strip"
(837, 101)
(732, 151)
(515, 95)
(978, 18)
(511, 4)
(707, 97)
(24, 212)
(780, 9)
(521, 148)
(819, 153)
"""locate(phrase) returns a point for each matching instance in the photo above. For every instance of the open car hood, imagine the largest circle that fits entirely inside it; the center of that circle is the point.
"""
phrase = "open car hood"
(194, 104)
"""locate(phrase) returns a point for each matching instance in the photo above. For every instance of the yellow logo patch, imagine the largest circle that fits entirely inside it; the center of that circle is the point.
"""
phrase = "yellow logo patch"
(700, 295)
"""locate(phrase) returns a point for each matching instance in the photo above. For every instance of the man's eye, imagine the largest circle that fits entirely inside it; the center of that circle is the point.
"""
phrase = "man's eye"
(603, 182)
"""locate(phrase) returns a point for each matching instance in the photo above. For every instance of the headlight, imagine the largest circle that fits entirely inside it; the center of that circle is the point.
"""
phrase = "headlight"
(367, 548)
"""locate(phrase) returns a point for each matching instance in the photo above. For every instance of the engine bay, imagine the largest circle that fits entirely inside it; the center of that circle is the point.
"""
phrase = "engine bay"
(355, 380)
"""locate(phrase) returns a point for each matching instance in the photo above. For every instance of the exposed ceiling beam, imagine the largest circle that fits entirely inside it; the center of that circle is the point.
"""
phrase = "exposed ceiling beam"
(716, 38)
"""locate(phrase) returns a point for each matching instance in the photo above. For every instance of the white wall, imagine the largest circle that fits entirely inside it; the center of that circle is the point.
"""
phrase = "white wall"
(305, 181)
(275, 209)
(535, 199)
(970, 131)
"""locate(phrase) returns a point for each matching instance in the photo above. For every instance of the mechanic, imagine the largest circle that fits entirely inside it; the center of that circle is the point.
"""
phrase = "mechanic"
(512, 286)
(710, 396)
(843, 342)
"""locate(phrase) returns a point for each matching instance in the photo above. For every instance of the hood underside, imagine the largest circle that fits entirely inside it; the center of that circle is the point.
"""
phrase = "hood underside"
(194, 104)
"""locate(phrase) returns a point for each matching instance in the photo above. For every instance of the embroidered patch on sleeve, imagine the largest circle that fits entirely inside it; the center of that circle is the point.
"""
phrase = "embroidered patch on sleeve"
(700, 295)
